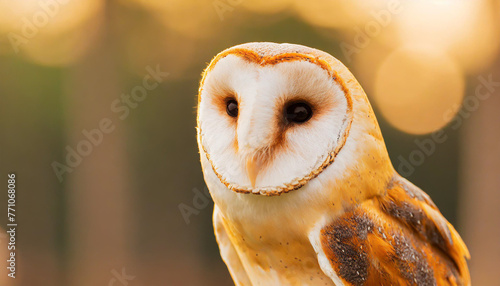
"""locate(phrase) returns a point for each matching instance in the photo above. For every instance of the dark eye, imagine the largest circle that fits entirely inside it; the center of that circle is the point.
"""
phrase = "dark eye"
(232, 108)
(298, 112)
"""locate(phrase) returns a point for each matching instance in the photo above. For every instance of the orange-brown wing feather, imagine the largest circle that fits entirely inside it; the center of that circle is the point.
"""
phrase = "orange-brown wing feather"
(396, 239)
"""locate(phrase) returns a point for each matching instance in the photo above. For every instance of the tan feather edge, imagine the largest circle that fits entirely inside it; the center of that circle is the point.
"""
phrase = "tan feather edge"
(344, 133)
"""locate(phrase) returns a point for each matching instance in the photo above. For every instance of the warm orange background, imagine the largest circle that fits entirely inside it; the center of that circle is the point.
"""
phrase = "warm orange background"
(425, 66)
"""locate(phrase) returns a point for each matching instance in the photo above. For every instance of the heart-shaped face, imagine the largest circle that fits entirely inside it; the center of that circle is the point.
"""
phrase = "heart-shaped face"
(270, 123)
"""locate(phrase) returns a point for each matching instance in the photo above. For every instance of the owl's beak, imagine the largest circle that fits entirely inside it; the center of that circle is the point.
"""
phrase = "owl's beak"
(253, 166)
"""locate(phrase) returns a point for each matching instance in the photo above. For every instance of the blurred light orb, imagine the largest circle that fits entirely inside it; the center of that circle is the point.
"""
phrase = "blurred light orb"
(196, 18)
(266, 6)
(418, 90)
(28, 18)
(52, 33)
(468, 30)
(337, 14)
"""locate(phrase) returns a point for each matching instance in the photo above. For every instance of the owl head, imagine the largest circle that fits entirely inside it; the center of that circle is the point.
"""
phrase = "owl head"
(273, 117)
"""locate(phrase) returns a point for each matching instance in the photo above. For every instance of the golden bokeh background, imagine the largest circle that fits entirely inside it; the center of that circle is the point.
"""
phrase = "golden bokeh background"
(430, 69)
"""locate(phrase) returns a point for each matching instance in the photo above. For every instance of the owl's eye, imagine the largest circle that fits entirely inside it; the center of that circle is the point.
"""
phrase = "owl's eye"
(232, 108)
(298, 112)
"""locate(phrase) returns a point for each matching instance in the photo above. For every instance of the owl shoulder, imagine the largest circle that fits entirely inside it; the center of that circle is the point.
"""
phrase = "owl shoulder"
(399, 238)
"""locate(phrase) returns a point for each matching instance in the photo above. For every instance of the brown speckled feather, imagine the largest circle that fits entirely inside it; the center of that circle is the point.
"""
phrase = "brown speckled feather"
(399, 238)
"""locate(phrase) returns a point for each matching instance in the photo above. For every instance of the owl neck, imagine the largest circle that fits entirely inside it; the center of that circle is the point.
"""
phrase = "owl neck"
(294, 213)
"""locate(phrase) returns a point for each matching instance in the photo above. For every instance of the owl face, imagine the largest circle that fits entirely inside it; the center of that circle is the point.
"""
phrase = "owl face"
(268, 125)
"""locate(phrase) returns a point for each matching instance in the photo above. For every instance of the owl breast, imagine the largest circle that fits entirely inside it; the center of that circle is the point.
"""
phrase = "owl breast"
(276, 256)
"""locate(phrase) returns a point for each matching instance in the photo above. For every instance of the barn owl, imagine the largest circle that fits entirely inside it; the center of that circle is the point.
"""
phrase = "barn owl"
(304, 191)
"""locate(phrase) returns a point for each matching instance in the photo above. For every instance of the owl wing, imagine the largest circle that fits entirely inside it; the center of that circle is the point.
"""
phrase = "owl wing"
(399, 238)
(228, 252)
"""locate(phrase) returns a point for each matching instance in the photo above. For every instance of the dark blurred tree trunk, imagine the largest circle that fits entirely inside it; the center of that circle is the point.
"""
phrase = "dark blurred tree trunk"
(98, 191)
(481, 185)
(29, 139)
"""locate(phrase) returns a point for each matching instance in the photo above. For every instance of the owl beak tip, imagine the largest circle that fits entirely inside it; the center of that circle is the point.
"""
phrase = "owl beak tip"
(253, 166)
